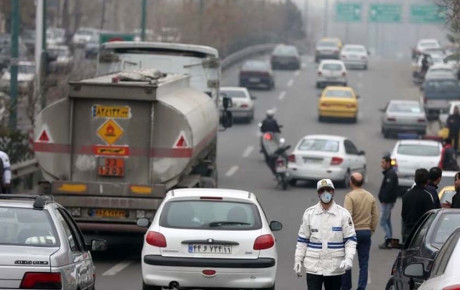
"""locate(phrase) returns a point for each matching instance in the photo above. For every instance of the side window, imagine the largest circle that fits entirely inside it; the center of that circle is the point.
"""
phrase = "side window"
(418, 237)
(75, 230)
(68, 233)
(443, 257)
(350, 148)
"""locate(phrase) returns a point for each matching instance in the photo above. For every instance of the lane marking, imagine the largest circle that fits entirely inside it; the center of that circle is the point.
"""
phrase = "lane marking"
(282, 95)
(248, 151)
(232, 171)
(117, 268)
(291, 81)
(297, 73)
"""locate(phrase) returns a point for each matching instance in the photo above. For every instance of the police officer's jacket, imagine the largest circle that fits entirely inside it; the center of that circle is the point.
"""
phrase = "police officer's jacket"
(325, 239)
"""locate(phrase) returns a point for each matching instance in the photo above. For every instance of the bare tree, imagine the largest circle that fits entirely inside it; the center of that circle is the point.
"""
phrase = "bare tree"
(452, 11)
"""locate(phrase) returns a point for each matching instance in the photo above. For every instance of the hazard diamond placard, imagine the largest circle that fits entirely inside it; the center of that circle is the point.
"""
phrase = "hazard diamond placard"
(110, 131)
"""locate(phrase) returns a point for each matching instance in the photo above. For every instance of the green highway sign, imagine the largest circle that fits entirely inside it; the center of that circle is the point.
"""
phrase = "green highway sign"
(109, 37)
(427, 13)
(387, 13)
(348, 12)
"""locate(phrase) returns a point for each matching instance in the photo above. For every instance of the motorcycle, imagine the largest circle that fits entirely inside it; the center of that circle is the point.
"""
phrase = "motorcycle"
(278, 164)
(269, 143)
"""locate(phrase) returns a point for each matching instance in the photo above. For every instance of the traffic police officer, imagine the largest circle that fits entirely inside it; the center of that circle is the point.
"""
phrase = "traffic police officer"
(326, 243)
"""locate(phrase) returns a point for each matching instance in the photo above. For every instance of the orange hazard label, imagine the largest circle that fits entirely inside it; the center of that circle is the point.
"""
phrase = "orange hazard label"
(110, 131)
(111, 150)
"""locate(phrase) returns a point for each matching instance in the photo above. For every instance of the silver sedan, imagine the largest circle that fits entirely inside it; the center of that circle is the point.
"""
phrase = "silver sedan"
(403, 117)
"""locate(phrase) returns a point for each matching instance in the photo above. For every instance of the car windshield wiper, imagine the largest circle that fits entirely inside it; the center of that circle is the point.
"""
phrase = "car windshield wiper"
(227, 223)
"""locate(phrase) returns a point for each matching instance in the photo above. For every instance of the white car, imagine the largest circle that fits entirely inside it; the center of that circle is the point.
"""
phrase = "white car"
(331, 72)
(444, 115)
(26, 77)
(425, 44)
(84, 35)
(440, 69)
(409, 155)
(209, 238)
(243, 104)
(355, 55)
(444, 270)
(325, 156)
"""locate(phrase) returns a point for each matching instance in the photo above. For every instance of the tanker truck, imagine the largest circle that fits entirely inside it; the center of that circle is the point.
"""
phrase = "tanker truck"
(111, 150)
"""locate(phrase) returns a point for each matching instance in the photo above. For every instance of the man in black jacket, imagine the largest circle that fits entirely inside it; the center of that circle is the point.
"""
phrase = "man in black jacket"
(388, 194)
(269, 124)
(416, 202)
(456, 198)
(453, 123)
(434, 178)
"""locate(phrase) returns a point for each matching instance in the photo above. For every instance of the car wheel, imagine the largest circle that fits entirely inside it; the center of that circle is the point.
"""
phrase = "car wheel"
(293, 182)
(150, 287)
(355, 119)
(320, 119)
(387, 133)
(390, 285)
(318, 85)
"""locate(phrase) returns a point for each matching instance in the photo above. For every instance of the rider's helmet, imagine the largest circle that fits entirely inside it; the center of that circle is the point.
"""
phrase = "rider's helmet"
(270, 113)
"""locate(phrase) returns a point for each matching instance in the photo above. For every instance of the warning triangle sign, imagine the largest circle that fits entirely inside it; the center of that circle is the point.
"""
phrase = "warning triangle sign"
(44, 137)
(181, 142)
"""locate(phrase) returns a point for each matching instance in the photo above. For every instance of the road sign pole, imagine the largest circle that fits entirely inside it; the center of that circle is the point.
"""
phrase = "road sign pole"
(14, 63)
(143, 19)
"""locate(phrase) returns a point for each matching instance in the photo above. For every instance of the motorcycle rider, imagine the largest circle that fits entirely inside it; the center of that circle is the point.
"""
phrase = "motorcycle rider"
(269, 124)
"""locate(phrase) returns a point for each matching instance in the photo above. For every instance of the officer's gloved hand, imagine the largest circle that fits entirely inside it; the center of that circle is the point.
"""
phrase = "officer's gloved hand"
(346, 264)
(298, 268)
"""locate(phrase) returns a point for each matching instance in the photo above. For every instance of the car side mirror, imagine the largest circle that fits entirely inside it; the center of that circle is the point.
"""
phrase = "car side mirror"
(415, 271)
(253, 97)
(98, 245)
(276, 226)
(143, 222)
(362, 152)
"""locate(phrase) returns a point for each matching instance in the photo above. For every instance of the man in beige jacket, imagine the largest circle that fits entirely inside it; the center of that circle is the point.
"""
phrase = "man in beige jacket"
(363, 209)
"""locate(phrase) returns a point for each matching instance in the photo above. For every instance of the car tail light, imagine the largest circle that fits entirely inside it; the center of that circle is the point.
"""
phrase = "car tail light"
(453, 287)
(264, 242)
(350, 106)
(244, 105)
(421, 120)
(280, 163)
(320, 73)
(156, 239)
(325, 105)
(34, 280)
(391, 119)
(209, 272)
(291, 158)
(268, 136)
(336, 160)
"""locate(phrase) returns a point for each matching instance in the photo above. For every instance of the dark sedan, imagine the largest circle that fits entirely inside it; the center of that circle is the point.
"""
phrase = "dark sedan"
(256, 74)
(285, 57)
(428, 236)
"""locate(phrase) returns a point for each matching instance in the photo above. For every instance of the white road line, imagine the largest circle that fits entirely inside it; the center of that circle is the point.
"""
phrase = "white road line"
(297, 73)
(291, 81)
(248, 151)
(232, 171)
(282, 95)
(117, 268)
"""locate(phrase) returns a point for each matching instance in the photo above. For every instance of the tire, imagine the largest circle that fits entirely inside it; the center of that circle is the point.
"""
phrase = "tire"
(293, 182)
(387, 134)
(284, 182)
(355, 119)
(390, 285)
(318, 85)
(150, 287)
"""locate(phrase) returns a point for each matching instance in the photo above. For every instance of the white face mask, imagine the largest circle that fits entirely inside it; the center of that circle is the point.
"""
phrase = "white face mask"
(326, 197)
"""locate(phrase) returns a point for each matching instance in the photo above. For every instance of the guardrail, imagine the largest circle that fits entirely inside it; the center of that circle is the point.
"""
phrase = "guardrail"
(27, 167)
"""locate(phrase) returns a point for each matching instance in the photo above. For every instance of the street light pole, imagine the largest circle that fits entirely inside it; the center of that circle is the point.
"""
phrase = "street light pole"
(143, 19)
(326, 18)
(14, 63)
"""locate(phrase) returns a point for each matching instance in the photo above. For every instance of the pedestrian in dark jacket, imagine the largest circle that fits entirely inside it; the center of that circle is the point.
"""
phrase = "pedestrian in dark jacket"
(434, 178)
(388, 194)
(456, 198)
(453, 123)
(416, 202)
(448, 160)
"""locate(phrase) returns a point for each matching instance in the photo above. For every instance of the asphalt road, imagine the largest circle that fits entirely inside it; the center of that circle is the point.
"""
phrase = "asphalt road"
(241, 166)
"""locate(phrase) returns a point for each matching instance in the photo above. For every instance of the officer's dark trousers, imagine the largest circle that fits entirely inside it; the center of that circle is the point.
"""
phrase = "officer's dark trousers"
(315, 282)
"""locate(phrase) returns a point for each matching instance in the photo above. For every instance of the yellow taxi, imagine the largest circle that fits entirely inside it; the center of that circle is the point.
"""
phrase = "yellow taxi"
(444, 133)
(338, 102)
(446, 194)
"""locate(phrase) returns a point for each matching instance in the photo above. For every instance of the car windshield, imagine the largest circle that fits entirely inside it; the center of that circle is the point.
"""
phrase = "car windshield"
(210, 215)
(328, 43)
(442, 85)
(319, 145)
(285, 50)
(448, 223)
(418, 150)
(332, 66)
(235, 94)
(354, 49)
(404, 108)
(440, 70)
(429, 44)
(338, 94)
(26, 69)
(255, 65)
(26, 227)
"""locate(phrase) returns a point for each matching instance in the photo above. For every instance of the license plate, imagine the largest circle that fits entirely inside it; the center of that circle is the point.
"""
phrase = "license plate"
(111, 167)
(110, 213)
(210, 249)
(281, 169)
(312, 160)
(254, 80)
